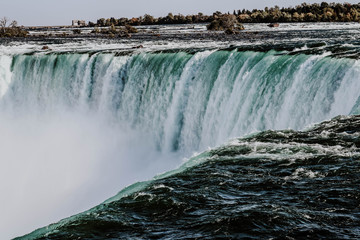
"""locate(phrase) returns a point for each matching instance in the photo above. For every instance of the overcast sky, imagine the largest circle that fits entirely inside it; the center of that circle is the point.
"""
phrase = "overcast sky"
(61, 12)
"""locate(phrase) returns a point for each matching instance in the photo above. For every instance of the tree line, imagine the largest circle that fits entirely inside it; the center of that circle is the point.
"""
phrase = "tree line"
(323, 12)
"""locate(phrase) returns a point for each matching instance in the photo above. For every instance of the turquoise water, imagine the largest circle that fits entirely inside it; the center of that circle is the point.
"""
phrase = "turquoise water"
(185, 101)
(79, 127)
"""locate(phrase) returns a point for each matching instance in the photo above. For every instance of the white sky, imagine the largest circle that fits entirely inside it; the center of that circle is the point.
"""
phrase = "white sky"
(55, 12)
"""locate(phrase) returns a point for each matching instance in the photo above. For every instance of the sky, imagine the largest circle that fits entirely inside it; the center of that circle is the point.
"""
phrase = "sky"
(55, 12)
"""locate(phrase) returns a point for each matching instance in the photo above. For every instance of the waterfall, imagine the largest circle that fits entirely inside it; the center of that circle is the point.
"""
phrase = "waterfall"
(73, 123)
(186, 102)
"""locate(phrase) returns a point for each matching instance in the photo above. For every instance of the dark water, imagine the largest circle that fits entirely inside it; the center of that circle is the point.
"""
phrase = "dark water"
(272, 185)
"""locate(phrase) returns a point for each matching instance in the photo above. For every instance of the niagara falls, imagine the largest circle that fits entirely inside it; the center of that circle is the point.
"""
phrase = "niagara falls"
(215, 126)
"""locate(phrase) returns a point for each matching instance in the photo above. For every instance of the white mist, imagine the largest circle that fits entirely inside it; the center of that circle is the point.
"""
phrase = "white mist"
(54, 166)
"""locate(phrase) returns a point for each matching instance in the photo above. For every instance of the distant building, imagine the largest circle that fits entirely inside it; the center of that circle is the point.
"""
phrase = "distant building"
(78, 23)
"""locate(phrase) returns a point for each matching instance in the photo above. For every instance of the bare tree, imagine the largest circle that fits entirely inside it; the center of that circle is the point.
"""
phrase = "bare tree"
(13, 24)
(11, 29)
(3, 23)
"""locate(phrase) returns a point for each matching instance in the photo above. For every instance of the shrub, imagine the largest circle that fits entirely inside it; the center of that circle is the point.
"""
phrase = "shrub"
(96, 30)
(214, 26)
(105, 31)
(12, 29)
(225, 22)
(112, 29)
(131, 29)
(13, 32)
(77, 31)
(229, 31)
